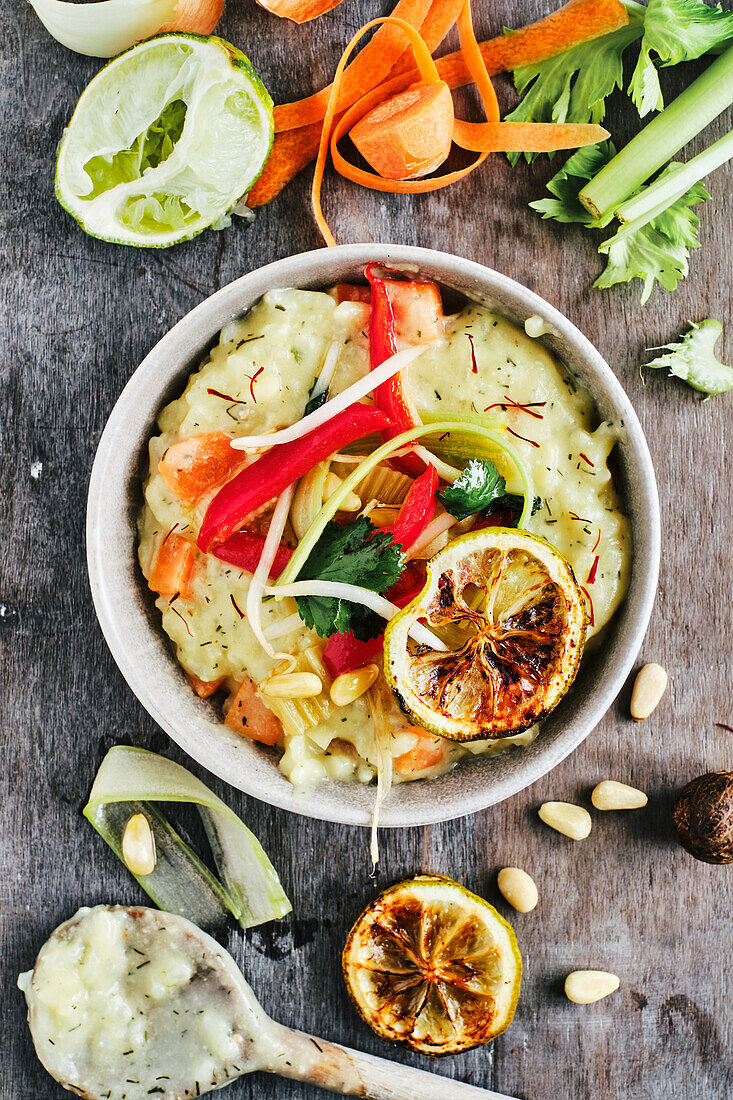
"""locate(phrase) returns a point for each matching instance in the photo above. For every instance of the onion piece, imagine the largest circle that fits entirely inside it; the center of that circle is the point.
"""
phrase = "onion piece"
(383, 750)
(444, 469)
(248, 886)
(355, 594)
(107, 28)
(256, 590)
(298, 11)
(437, 526)
(336, 405)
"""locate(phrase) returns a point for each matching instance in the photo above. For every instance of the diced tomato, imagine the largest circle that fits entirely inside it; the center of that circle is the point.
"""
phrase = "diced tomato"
(248, 715)
(417, 309)
(172, 566)
(428, 752)
(349, 292)
(196, 465)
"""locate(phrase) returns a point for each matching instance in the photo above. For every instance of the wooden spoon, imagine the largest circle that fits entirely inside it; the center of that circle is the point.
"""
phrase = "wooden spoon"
(129, 1003)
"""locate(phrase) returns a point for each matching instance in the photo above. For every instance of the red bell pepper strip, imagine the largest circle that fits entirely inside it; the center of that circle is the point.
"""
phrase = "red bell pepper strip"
(417, 510)
(276, 469)
(244, 550)
(391, 396)
(344, 652)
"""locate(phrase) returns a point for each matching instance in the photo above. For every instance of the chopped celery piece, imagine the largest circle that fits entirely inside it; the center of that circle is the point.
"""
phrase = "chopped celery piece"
(249, 889)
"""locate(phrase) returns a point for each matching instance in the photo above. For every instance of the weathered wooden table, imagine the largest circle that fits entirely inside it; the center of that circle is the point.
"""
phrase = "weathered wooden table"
(80, 315)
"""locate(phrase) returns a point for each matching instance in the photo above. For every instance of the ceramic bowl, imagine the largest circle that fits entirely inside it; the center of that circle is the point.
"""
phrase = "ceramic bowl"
(131, 623)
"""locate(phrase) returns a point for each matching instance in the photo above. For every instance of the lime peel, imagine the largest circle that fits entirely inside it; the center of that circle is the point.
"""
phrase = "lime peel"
(433, 965)
(106, 180)
(515, 617)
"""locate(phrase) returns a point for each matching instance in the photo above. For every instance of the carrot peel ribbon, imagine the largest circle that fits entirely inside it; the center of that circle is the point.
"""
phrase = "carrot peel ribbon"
(298, 124)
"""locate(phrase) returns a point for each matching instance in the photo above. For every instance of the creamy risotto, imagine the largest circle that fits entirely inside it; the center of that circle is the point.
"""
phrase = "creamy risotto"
(256, 380)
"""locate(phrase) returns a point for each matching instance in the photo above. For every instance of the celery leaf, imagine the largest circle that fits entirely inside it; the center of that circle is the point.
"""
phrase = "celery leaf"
(675, 30)
(573, 86)
(692, 358)
(644, 88)
(681, 30)
(566, 185)
(659, 250)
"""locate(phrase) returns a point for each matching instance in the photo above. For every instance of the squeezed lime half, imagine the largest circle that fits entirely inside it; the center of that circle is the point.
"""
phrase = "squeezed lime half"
(165, 141)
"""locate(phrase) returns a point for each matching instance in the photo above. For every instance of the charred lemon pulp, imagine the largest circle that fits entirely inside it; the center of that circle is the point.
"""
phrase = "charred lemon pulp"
(433, 965)
(507, 605)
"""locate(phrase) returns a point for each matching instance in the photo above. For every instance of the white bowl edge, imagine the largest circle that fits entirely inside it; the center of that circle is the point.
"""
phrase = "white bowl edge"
(143, 653)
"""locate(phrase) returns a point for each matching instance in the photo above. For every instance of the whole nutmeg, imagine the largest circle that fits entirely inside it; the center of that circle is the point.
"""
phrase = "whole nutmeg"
(703, 817)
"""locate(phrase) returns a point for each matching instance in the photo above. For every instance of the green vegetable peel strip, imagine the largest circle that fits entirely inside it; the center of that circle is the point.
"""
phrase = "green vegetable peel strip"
(249, 889)
(350, 483)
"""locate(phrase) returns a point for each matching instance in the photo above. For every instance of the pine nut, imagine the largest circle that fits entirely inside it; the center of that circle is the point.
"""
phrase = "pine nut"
(583, 987)
(350, 685)
(518, 888)
(292, 685)
(570, 820)
(138, 845)
(610, 795)
(350, 503)
(649, 687)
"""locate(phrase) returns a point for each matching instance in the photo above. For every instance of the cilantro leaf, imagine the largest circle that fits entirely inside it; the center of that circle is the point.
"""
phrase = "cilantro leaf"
(515, 504)
(567, 184)
(692, 358)
(573, 86)
(355, 554)
(479, 486)
(659, 250)
(676, 30)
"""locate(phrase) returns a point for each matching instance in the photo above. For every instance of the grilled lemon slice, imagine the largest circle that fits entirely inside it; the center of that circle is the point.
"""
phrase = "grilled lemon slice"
(430, 964)
(514, 619)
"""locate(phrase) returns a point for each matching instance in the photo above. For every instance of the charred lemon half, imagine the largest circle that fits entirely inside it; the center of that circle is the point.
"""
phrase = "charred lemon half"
(513, 618)
(430, 964)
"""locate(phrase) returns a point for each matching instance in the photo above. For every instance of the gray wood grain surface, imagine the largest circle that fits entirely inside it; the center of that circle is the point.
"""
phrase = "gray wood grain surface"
(79, 315)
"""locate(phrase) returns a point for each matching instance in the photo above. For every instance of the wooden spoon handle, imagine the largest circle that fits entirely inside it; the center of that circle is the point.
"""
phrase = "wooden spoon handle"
(351, 1073)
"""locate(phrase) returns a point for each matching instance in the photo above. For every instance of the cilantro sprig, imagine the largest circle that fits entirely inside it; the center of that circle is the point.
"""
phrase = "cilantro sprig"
(356, 553)
(481, 489)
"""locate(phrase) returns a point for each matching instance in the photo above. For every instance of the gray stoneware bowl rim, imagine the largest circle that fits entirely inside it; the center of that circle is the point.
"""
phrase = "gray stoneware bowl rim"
(144, 656)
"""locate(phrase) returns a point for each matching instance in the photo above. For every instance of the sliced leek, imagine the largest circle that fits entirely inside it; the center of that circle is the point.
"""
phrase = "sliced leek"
(128, 780)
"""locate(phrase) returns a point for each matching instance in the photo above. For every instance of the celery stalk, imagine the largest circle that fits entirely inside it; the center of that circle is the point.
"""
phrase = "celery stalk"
(665, 135)
(642, 208)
